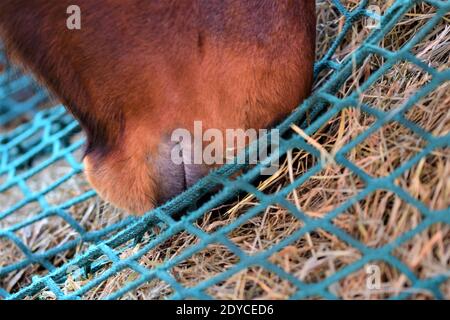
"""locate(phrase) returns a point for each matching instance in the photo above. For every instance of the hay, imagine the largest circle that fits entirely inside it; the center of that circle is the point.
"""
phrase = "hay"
(374, 221)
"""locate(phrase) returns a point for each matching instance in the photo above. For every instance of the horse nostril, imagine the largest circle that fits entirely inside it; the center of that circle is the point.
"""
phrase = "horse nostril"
(175, 175)
(194, 172)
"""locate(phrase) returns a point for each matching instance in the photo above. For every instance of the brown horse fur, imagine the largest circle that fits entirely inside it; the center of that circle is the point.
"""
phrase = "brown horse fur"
(138, 69)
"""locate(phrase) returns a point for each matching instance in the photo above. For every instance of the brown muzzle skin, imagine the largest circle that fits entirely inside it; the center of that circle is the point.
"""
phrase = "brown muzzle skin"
(138, 70)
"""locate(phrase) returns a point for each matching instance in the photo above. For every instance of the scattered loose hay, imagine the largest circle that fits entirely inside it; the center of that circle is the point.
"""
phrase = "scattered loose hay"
(375, 221)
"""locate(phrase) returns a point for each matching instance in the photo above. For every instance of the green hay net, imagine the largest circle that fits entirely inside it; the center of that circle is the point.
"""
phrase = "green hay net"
(51, 136)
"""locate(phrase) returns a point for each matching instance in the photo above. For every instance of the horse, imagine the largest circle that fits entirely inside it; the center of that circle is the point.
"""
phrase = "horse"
(134, 71)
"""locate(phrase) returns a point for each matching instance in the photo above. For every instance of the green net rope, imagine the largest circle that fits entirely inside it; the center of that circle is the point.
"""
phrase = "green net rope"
(35, 145)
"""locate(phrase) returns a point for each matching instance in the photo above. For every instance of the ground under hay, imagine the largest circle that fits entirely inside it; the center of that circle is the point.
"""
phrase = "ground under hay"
(374, 221)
